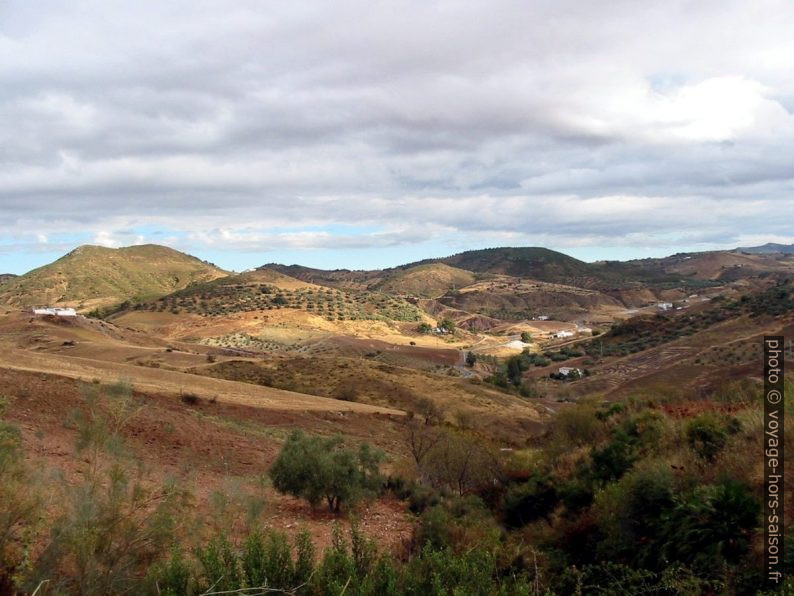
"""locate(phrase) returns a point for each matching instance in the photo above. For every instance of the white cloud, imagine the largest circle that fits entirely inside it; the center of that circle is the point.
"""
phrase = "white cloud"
(565, 122)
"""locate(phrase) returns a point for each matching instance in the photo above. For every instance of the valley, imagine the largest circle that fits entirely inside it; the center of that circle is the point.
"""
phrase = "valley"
(430, 358)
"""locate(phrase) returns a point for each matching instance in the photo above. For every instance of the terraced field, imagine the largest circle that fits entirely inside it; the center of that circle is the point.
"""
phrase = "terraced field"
(637, 366)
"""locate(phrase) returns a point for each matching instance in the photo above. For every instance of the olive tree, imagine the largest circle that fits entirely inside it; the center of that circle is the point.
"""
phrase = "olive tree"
(320, 468)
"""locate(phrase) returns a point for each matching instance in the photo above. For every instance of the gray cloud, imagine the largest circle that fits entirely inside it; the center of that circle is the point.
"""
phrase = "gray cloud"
(568, 123)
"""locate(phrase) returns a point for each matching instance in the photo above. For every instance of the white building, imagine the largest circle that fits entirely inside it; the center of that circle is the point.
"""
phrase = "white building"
(664, 305)
(568, 371)
(542, 318)
(563, 334)
(55, 311)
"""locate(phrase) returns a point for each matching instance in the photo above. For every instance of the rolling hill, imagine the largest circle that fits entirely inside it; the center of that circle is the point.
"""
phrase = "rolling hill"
(431, 278)
(336, 278)
(768, 248)
(684, 270)
(533, 262)
(96, 277)
(265, 289)
(543, 264)
(428, 281)
(5, 277)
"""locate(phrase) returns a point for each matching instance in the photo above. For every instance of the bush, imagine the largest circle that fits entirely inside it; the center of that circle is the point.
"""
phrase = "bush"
(707, 436)
(534, 499)
(190, 399)
(528, 390)
(713, 526)
(112, 524)
(577, 493)
(460, 523)
(19, 502)
(460, 462)
(578, 426)
(498, 378)
(613, 460)
(317, 468)
(632, 514)
(447, 325)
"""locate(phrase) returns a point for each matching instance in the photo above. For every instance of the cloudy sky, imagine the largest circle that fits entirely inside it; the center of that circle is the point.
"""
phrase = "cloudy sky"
(370, 133)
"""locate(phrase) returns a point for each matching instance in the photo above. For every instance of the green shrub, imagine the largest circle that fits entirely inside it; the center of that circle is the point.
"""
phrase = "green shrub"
(712, 526)
(20, 502)
(532, 500)
(613, 460)
(267, 561)
(707, 435)
(317, 468)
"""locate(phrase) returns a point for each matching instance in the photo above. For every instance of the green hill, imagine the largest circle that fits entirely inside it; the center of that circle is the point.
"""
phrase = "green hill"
(547, 265)
(95, 277)
(532, 262)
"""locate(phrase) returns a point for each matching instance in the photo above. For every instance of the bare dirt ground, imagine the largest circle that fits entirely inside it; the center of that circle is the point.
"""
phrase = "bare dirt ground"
(176, 383)
(206, 447)
(339, 374)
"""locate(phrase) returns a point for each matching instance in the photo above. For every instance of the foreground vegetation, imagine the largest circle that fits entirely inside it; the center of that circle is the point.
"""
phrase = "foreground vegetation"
(622, 498)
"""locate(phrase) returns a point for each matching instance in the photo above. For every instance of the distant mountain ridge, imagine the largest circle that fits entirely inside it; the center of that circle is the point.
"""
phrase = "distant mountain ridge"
(768, 248)
(334, 278)
(95, 277)
(543, 264)
(4, 277)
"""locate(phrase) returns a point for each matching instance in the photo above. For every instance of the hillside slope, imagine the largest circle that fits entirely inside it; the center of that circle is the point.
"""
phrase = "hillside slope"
(266, 289)
(509, 298)
(94, 277)
(768, 248)
(336, 278)
(428, 281)
(690, 270)
(543, 264)
(533, 262)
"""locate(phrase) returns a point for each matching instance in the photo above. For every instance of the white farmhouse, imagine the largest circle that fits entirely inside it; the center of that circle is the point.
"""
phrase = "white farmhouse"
(567, 371)
(542, 318)
(55, 311)
(563, 334)
(664, 305)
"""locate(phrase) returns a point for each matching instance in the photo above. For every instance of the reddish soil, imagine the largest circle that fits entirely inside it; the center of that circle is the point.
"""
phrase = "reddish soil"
(694, 408)
(204, 446)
